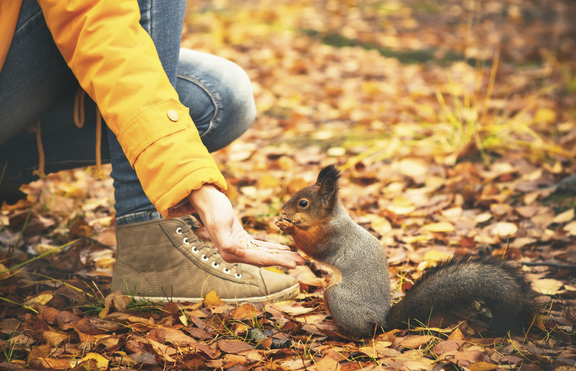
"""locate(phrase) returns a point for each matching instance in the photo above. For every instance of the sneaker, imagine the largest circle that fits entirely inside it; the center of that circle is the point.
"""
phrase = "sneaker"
(164, 260)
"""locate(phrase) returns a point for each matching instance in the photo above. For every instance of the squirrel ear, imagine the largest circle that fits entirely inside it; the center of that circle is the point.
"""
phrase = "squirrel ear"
(328, 182)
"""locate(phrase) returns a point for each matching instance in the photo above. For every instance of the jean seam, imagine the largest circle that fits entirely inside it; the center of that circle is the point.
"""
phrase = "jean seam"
(31, 19)
(210, 94)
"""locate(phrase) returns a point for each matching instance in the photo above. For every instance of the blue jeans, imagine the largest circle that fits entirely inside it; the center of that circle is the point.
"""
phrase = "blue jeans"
(36, 82)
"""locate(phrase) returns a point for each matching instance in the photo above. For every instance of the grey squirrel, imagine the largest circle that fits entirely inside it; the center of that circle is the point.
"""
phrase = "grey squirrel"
(358, 296)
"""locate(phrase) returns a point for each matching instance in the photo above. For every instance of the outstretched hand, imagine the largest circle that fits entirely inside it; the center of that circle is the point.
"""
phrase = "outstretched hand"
(232, 241)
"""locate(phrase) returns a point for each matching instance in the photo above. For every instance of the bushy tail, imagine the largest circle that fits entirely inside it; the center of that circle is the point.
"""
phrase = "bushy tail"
(462, 281)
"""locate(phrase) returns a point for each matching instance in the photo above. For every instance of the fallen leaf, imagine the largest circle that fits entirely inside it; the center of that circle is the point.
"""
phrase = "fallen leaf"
(504, 229)
(101, 362)
(547, 286)
(571, 228)
(42, 299)
(212, 299)
(268, 181)
(415, 341)
(564, 217)
(234, 346)
(439, 227)
(41, 351)
(245, 312)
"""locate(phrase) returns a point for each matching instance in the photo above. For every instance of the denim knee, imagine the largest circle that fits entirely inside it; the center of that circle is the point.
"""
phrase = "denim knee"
(219, 95)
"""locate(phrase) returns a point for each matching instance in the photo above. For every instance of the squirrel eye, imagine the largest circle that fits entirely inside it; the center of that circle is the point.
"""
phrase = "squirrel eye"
(303, 203)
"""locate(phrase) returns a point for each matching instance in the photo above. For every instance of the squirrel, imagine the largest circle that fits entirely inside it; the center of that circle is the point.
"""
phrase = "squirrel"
(358, 296)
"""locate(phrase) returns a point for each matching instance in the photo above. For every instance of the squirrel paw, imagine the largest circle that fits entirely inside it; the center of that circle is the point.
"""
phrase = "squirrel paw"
(284, 224)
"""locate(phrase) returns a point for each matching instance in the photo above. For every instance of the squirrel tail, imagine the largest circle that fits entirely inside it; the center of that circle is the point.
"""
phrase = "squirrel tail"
(462, 281)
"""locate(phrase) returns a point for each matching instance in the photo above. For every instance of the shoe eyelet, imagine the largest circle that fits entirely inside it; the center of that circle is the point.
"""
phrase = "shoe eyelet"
(215, 265)
(194, 249)
(204, 257)
(237, 275)
(179, 230)
(185, 240)
(226, 270)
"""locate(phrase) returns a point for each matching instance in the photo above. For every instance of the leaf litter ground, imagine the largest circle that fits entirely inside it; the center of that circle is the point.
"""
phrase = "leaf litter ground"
(452, 122)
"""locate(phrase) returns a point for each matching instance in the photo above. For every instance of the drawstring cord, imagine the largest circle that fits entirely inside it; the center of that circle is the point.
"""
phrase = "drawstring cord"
(79, 121)
(41, 161)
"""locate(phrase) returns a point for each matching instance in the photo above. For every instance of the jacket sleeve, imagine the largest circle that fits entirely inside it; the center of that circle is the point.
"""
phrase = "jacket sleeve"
(116, 63)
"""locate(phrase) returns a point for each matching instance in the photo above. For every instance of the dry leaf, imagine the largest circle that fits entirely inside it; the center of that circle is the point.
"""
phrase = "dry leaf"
(504, 229)
(547, 286)
(439, 227)
(102, 363)
(570, 228)
(42, 299)
(564, 217)
(212, 299)
(234, 346)
(268, 181)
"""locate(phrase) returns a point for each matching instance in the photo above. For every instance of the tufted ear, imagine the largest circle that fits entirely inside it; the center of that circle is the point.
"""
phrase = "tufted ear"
(327, 182)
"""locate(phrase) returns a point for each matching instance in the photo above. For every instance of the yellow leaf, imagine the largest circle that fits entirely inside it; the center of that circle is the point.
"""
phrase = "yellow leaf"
(268, 181)
(212, 299)
(412, 167)
(482, 366)
(452, 213)
(379, 224)
(504, 229)
(40, 299)
(564, 217)
(482, 218)
(435, 255)
(571, 228)
(336, 151)
(401, 201)
(545, 115)
(439, 227)
(547, 286)
(101, 361)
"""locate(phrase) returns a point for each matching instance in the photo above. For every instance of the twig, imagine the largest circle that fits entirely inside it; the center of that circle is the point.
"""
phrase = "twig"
(554, 265)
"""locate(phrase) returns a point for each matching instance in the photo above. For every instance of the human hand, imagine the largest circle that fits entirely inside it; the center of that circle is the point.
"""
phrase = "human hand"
(233, 242)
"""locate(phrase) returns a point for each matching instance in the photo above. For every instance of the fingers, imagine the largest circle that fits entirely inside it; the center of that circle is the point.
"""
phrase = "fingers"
(264, 259)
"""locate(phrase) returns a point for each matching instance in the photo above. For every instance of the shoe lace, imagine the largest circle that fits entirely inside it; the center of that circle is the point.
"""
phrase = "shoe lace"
(198, 246)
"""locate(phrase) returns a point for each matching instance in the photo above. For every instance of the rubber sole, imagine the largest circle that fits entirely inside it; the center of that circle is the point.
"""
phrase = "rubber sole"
(286, 294)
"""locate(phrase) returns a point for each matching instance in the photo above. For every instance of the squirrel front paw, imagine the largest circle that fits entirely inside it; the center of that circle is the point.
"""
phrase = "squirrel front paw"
(284, 224)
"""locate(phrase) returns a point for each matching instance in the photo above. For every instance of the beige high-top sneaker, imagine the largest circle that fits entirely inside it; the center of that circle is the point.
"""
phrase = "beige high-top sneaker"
(163, 260)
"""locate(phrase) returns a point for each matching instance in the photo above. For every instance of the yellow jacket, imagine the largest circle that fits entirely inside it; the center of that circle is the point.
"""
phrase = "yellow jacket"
(116, 63)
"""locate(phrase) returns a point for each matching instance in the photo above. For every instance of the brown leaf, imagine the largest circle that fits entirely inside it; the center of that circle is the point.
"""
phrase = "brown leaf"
(86, 365)
(81, 229)
(66, 320)
(305, 276)
(415, 341)
(56, 364)
(234, 346)
(163, 351)
(107, 237)
(467, 357)
(198, 333)
(244, 312)
(41, 351)
(85, 338)
(49, 314)
(9, 325)
(55, 338)
(35, 225)
(169, 335)
(447, 346)
(94, 326)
